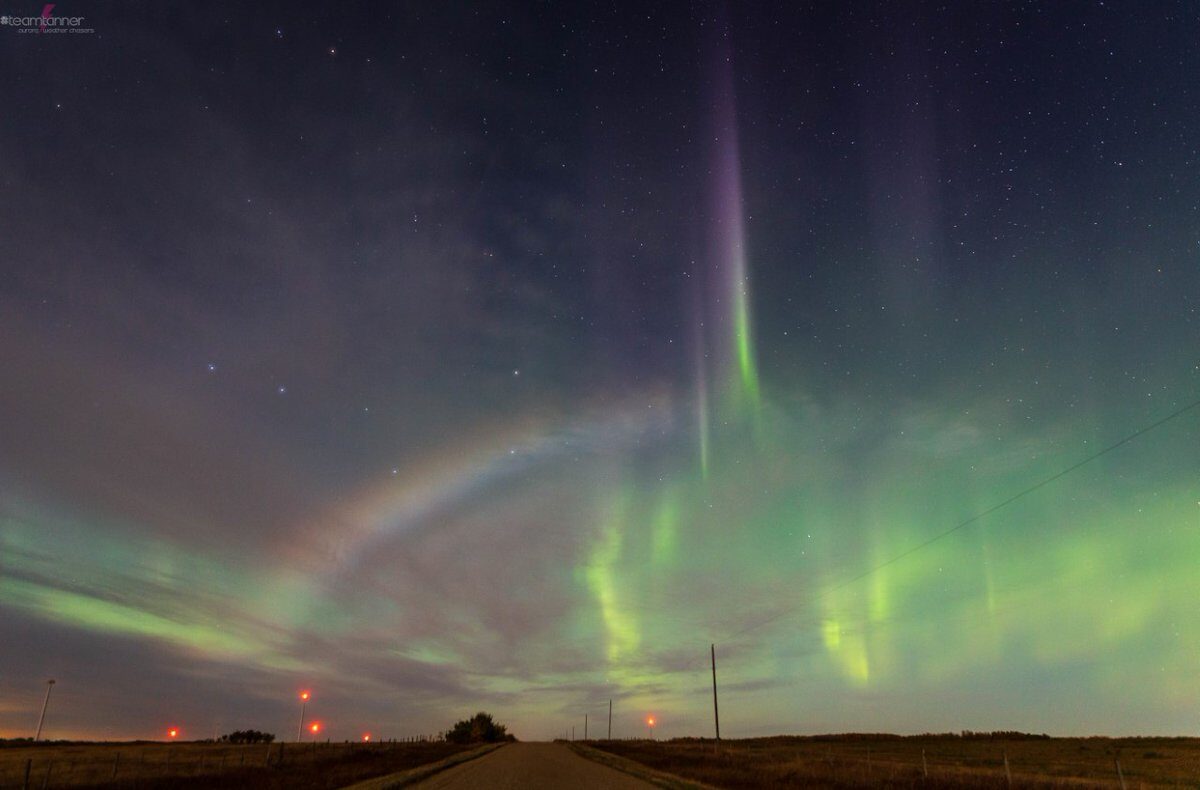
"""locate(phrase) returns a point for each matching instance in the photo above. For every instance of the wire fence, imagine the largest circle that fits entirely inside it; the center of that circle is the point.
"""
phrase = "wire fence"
(933, 761)
(60, 765)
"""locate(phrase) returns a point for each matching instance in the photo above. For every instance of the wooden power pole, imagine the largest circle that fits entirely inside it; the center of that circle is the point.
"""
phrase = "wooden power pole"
(610, 719)
(716, 716)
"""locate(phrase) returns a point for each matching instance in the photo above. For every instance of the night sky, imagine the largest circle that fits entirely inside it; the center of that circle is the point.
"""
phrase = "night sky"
(438, 358)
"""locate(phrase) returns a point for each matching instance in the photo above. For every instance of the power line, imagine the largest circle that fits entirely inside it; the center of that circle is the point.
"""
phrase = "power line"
(967, 522)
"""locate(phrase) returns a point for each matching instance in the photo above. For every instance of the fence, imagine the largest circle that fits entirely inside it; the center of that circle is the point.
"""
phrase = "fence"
(62, 765)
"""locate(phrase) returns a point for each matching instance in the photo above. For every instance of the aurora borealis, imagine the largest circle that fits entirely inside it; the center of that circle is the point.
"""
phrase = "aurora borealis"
(443, 359)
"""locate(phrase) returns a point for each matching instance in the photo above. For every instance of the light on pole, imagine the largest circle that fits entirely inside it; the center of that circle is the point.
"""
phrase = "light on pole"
(45, 703)
(650, 722)
(304, 695)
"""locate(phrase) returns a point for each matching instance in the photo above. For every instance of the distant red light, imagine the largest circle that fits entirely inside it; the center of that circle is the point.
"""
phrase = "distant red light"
(304, 696)
(315, 726)
(173, 733)
(367, 737)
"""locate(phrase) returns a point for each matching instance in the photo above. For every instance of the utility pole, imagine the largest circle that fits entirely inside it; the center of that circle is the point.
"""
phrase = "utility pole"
(585, 726)
(610, 719)
(716, 716)
(300, 727)
(45, 702)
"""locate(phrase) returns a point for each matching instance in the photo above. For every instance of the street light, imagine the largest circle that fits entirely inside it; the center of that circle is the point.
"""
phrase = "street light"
(304, 695)
(314, 728)
(366, 737)
(173, 733)
(650, 721)
(45, 703)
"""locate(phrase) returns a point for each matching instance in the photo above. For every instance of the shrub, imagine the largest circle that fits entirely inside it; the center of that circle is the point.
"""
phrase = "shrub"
(480, 728)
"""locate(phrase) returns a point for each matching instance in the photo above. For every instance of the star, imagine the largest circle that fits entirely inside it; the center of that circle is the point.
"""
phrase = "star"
(282, 390)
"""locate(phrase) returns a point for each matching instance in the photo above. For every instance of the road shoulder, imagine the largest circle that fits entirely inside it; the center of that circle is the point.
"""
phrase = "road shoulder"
(645, 773)
(422, 772)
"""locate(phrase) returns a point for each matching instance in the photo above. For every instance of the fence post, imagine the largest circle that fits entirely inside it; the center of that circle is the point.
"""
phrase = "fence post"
(1007, 772)
(28, 768)
(924, 764)
(116, 763)
(1120, 775)
(46, 778)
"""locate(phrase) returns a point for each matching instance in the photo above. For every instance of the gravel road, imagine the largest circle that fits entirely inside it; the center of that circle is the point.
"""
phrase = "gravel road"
(531, 766)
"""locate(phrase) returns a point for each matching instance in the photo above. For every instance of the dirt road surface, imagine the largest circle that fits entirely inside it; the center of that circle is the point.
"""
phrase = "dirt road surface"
(533, 766)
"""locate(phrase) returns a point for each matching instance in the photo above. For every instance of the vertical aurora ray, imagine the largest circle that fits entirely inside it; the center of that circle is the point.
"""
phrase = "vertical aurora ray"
(729, 243)
(702, 416)
(747, 366)
(723, 318)
(665, 529)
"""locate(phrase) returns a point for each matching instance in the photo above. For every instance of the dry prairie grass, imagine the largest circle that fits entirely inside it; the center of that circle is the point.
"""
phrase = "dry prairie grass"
(195, 766)
(858, 761)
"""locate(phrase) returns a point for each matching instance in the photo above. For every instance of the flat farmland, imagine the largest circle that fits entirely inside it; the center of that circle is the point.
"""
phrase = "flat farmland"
(857, 761)
(150, 766)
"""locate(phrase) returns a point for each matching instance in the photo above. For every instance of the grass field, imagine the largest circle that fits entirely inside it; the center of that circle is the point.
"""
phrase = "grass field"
(857, 761)
(193, 766)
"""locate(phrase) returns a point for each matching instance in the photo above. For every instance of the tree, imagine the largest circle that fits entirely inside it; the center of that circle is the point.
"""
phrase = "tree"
(480, 728)
(247, 736)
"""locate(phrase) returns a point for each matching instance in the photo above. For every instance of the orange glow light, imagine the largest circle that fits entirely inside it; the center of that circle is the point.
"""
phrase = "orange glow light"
(650, 721)
(367, 737)
(315, 726)
(172, 733)
(304, 696)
